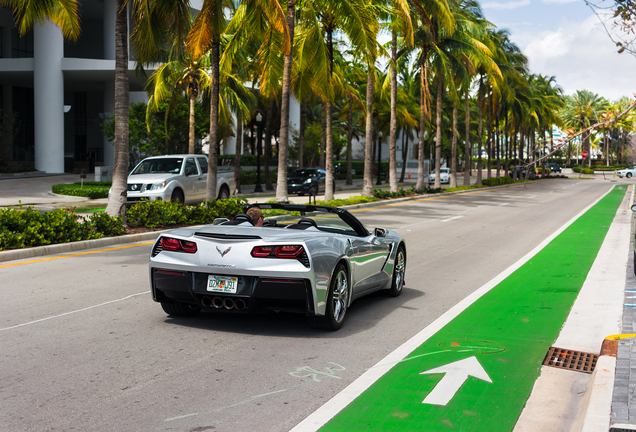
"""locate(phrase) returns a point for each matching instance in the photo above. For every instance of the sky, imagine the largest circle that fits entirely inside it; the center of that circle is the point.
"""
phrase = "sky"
(565, 39)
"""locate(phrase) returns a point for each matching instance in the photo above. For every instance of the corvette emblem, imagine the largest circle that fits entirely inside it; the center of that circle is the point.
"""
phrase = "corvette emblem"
(223, 252)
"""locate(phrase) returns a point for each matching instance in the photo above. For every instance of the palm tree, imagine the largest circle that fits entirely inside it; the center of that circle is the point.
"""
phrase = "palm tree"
(581, 110)
(183, 74)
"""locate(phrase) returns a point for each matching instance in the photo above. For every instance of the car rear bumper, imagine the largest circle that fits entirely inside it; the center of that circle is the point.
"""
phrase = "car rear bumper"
(254, 293)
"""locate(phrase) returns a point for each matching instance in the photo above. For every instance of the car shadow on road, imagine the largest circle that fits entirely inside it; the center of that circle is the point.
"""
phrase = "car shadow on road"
(363, 314)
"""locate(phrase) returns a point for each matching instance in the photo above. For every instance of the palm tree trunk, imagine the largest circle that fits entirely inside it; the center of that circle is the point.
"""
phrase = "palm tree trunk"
(191, 126)
(301, 138)
(489, 132)
(213, 160)
(268, 144)
(438, 135)
(423, 116)
(453, 177)
(480, 104)
(405, 152)
(238, 151)
(497, 146)
(349, 138)
(393, 121)
(329, 180)
(367, 188)
(323, 136)
(468, 154)
(118, 197)
(283, 144)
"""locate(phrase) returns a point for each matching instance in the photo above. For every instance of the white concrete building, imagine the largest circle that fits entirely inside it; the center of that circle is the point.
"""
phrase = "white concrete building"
(60, 92)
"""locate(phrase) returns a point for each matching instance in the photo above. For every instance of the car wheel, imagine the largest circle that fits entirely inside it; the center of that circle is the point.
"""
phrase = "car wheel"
(180, 309)
(628, 175)
(177, 196)
(337, 302)
(224, 193)
(398, 273)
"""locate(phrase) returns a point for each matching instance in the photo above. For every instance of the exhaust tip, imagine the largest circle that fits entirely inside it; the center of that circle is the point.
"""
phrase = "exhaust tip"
(240, 304)
(206, 301)
(228, 303)
(217, 302)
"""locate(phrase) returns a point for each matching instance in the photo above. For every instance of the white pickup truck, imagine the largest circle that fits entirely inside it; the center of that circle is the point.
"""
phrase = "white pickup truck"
(180, 178)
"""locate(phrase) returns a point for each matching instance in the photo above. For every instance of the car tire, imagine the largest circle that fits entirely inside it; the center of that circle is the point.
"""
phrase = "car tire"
(337, 302)
(224, 193)
(180, 309)
(628, 175)
(177, 196)
(399, 271)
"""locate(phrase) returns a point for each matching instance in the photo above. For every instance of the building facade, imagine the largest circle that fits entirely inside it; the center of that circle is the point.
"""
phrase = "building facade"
(55, 94)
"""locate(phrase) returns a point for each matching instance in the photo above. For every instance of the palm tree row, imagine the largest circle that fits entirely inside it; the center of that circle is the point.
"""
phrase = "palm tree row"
(326, 52)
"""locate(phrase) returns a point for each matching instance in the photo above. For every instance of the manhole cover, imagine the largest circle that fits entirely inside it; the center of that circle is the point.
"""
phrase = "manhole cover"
(571, 360)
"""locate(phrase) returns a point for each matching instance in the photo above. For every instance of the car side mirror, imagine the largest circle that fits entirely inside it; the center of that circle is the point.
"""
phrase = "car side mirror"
(380, 232)
(633, 208)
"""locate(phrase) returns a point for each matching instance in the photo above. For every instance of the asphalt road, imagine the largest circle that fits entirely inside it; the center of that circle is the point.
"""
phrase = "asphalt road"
(83, 347)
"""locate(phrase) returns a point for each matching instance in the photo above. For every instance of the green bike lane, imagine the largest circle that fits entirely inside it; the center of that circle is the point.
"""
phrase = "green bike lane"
(476, 372)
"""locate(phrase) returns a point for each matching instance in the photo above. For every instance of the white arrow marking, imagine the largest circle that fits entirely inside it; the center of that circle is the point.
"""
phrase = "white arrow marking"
(456, 374)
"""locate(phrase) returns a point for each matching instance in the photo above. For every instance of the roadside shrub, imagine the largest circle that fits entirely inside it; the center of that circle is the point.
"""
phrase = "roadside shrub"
(97, 190)
(497, 181)
(21, 228)
(384, 194)
(153, 214)
(106, 225)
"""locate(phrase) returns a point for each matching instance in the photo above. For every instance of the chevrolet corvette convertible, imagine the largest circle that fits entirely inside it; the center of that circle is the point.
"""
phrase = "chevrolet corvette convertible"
(311, 259)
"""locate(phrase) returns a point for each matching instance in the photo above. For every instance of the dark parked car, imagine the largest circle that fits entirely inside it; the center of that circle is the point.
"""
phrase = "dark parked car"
(519, 171)
(554, 167)
(302, 181)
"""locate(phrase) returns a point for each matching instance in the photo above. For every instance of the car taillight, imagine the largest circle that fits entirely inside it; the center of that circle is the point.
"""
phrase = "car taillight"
(262, 251)
(288, 251)
(188, 246)
(174, 245)
(169, 244)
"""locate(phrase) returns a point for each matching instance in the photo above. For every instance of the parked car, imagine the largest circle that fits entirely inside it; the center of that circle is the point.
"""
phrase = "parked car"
(444, 176)
(179, 178)
(554, 167)
(627, 172)
(304, 180)
(311, 259)
(519, 171)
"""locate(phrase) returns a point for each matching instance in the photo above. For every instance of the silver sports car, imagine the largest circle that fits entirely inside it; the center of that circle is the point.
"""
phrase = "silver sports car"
(306, 258)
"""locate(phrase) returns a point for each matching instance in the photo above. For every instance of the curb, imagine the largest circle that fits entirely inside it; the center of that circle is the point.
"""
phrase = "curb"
(597, 403)
(18, 254)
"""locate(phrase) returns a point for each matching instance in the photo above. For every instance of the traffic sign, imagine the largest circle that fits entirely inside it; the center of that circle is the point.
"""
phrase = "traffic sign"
(584, 154)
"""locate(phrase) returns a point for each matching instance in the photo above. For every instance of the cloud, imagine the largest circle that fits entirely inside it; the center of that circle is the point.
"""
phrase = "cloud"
(581, 56)
(509, 5)
(559, 1)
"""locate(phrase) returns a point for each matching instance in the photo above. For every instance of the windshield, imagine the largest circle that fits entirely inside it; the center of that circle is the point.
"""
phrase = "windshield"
(158, 166)
(330, 219)
(303, 173)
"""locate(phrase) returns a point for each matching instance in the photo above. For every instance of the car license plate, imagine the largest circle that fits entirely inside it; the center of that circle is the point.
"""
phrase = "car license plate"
(222, 284)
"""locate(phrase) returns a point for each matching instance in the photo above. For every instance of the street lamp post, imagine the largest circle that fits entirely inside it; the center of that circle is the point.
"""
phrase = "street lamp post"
(258, 187)
(379, 182)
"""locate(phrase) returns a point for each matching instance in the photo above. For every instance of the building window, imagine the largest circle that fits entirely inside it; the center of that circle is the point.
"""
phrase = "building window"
(79, 109)
(21, 46)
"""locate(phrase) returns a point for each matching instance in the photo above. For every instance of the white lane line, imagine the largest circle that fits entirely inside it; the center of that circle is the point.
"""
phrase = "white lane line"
(75, 311)
(336, 404)
(451, 218)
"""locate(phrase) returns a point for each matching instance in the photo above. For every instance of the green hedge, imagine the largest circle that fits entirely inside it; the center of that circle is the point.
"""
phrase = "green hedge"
(497, 181)
(577, 169)
(20, 228)
(92, 190)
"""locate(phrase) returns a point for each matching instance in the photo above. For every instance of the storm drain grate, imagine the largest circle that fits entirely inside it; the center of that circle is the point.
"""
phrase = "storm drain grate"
(571, 360)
